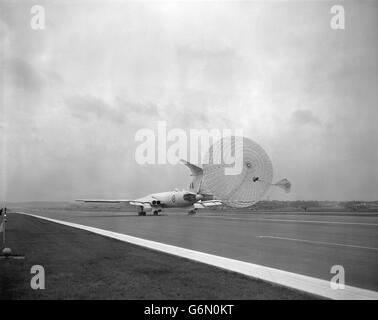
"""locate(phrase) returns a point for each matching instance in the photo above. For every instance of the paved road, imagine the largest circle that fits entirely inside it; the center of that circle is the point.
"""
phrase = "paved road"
(304, 244)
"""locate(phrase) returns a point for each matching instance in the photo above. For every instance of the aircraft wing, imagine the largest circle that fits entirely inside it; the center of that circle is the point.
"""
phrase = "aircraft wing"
(103, 201)
(215, 203)
(207, 204)
(133, 202)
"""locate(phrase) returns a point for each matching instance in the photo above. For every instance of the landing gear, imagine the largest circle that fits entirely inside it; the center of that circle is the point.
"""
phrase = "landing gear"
(141, 213)
(192, 212)
(156, 212)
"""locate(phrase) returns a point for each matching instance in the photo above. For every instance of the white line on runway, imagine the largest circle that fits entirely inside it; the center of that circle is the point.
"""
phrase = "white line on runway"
(319, 242)
(288, 279)
(288, 220)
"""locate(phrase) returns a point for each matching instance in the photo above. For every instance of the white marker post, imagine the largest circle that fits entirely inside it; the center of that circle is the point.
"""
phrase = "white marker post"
(6, 252)
(2, 226)
(4, 223)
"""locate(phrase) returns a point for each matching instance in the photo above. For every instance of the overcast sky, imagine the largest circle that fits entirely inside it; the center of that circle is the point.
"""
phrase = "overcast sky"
(75, 93)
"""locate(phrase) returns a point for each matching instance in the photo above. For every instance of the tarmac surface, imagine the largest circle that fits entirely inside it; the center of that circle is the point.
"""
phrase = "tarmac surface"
(303, 243)
(84, 265)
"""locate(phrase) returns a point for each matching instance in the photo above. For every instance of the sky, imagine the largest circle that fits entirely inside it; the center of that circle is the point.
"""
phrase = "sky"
(75, 93)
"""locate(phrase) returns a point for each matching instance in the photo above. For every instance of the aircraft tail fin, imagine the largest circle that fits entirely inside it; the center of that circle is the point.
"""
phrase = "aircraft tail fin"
(196, 173)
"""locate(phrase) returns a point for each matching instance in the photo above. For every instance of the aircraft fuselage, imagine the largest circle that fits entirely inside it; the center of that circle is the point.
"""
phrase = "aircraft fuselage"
(175, 199)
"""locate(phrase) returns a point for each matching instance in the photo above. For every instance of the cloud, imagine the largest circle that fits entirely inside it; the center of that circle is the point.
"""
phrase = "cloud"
(86, 107)
(304, 117)
(147, 108)
(20, 74)
(76, 92)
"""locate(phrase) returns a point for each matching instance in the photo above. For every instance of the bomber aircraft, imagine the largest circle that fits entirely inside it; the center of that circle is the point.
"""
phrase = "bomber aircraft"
(193, 199)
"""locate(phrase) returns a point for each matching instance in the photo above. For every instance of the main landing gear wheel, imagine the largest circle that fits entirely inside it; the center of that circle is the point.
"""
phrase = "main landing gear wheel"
(156, 213)
(141, 213)
(192, 212)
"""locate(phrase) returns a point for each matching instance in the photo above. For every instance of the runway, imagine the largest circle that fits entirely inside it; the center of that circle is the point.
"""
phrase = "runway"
(305, 244)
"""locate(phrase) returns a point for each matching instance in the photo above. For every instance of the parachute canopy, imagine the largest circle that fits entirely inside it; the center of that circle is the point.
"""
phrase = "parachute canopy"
(250, 177)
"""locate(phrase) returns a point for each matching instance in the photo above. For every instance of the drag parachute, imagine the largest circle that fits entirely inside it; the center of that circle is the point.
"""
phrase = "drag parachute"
(284, 184)
(251, 175)
(237, 190)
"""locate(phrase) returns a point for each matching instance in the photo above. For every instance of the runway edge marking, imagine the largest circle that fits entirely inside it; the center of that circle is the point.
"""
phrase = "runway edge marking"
(288, 279)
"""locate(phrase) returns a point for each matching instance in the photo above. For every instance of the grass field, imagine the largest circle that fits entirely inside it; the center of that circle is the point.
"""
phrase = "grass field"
(82, 265)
